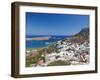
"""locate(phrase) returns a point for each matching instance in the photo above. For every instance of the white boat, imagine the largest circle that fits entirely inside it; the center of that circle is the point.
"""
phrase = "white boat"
(47, 43)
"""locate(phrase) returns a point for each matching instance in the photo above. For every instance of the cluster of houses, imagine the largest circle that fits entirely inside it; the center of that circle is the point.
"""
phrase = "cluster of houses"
(75, 53)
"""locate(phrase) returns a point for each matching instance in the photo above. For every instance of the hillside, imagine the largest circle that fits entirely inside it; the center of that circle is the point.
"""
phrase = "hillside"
(80, 37)
(73, 50)
(69, 51)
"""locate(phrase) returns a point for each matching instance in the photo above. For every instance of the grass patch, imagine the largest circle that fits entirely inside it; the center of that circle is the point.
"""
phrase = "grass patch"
(59, 63)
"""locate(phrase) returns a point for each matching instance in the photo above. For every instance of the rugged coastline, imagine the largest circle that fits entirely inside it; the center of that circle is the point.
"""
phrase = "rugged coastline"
(69, 51)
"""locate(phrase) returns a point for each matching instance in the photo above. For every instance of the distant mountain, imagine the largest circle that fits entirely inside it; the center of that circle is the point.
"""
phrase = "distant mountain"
(84, 33)
(80, 37)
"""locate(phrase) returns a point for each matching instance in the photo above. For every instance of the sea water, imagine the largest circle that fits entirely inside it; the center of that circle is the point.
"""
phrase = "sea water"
(43, 43)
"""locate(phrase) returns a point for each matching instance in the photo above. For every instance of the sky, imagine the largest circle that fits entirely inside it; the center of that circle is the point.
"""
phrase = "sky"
(55, 24)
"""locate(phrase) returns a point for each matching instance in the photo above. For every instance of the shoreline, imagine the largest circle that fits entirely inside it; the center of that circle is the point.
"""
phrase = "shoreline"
(35, 48)
(38, 38)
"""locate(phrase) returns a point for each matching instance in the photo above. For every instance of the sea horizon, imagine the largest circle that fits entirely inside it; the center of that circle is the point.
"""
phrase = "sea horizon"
(39, 41)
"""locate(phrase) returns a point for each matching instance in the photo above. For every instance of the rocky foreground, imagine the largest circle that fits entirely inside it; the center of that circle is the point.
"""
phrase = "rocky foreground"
(70, 51)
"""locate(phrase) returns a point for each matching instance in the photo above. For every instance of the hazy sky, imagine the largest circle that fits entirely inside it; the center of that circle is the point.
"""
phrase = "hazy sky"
(55, 24)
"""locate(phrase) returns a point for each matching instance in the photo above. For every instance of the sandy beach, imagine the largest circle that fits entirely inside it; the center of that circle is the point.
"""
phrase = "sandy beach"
(39, 38)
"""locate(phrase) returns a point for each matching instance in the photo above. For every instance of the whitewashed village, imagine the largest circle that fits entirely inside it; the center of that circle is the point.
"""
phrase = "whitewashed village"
(70, 51)
(76, 54)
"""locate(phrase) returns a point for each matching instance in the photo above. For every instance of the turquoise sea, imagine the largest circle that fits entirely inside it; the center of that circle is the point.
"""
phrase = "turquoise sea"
(43, 43)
